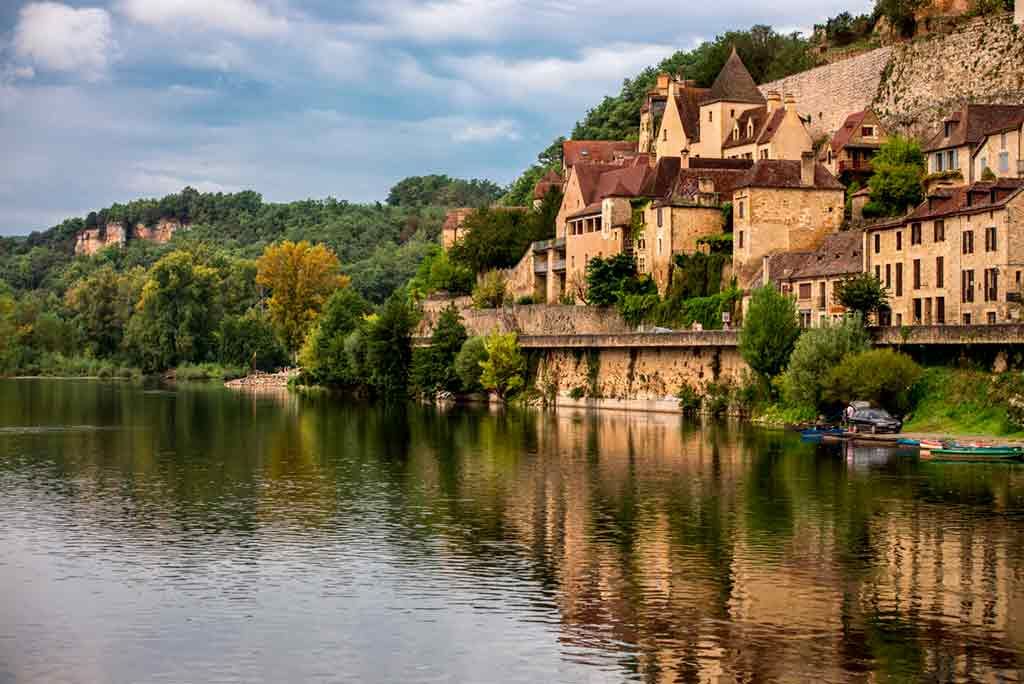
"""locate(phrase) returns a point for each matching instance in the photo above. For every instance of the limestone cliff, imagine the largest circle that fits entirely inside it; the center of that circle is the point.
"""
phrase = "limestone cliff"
(92, 240)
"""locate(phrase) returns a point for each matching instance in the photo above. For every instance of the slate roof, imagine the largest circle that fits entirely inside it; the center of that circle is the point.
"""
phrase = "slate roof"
(550, 180)
(978, 197)
(686, 186)
(838, 255)
(785, 173)
(734, 83)
(973, 123)
(688, 101)
(596, 151)
(765, 127)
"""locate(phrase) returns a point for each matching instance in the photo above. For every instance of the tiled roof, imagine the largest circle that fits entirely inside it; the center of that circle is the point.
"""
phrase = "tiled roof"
(973, 123)
(591, 209)
(838, 255)
(686, 187)
(734, 83)
(589, 176)
(977, 197)
(688, 101)
(596, 151)
(714, 163)
(772, 126)
(550, 180)
(845, 132)
(757, 116)
(785, 173)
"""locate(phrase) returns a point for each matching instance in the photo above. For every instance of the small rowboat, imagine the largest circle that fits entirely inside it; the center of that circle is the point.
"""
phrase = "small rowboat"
(992, 453)
(816, 433)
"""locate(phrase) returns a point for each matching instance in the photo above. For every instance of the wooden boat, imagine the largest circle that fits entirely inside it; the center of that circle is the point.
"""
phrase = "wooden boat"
(965, 453)
(821, 433)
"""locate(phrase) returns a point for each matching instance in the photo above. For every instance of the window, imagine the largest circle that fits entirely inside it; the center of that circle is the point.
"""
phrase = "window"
(711, 116)
(1004, 162)
(867, 131)
(659, 217)
(899, 280)
(741, 240)
(915, 233)
(805, 319)
(940, 268)
(888, 276)
(878, 243)
(966, 286)
(990, 239)
(940, 231)
(917, 311)
(939, 161)
(764, 153)
(949, 128)
(659, 246)
(878, 273)
(991, 284)
(735, 132)
(967, 319)
(805, 290)
(821, 296)
(951, 160)
(1002, 141)
(899, 240)
(967, 243)
(917, 274)
(664, 133)
(641, 263)
(739, 209)
(940, 310)
(732, 113)
(991, 317)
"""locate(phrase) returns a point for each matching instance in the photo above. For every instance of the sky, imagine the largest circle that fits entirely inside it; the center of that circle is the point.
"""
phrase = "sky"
(110, 100)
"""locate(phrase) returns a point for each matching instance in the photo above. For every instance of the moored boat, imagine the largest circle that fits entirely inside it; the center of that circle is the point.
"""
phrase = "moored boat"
(988, 453)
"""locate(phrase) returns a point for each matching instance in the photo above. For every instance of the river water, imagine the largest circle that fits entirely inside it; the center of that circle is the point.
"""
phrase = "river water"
(200, 535)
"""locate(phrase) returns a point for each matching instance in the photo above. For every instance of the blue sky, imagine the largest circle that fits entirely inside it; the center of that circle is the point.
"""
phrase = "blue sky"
(109, 101)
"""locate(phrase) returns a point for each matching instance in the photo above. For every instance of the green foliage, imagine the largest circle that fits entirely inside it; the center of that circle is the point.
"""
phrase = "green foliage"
(845, 28)
(769, 331)
(988, 175)
(965, 401)
(606, 278)
(862, 293)
(208, 371)
(437, 272)
(718, 245)
(882, 376)
(433, 367)
(176, 315)
(490, 292)
(815, 354)
(389, 347)
(324, 354)
(498, 237)
(443, 191)
(249, 342)
(900, 13)
(690, 399)
(505, 366)
(468, 363)
(635, 309)
(895, 184)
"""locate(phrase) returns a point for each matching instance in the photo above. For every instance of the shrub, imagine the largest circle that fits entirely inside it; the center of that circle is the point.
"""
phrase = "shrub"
(525, 300)
(635, 309)
(504, 367)
(605, 278)
(578, 392)
(882, 376)
(438, 272)
(249, 342)
(490, 292)
(467, 363)
(769, 332)
(862, 293)
(816, 352)
(896, 182)
(690, 399)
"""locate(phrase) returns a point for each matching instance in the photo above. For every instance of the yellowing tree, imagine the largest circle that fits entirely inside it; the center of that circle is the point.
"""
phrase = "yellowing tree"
(301, 277)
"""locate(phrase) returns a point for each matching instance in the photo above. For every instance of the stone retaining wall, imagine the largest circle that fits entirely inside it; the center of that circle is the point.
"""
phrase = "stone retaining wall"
(534, 319)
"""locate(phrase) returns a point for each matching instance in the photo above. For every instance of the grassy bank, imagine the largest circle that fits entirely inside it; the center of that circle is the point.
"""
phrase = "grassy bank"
(207, 371)
(957, 401)
(59, 366)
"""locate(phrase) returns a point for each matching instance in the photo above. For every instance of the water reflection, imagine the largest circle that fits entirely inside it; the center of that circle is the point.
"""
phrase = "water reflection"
(204, 535)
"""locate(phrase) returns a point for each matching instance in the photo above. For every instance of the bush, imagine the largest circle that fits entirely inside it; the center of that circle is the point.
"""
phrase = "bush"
(490, 292)
(690, 399)
(606, 277)
(249, 342)
(438, 272)
(207, 371)
(504, 367)
(882, 376)
(769, 332)
(816, 353)
(896, 182)
(635, 309)
(525, 300)
(467, 363)
(863, 294)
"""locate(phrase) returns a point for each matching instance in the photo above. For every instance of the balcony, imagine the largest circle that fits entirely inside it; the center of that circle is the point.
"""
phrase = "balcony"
(857, 165)
(540, 266)
(545, 245)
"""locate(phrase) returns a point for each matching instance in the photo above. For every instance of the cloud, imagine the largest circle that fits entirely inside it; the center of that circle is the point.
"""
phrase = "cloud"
(478, 132)
(239, 17)
(60, 38)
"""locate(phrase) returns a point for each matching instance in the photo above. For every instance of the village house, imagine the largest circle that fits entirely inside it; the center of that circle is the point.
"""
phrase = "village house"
(597, 152)
(849, 153)
(978, 137)
(651, 112)
(956, 259)
(782, 206)
(811, 277)
(730, 119)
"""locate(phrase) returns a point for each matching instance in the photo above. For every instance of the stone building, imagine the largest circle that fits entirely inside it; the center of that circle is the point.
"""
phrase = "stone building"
(956, 259)
(596, 152)
(774, 131)
(782, 206)
(550, 181)
(849, 153)
(811, 277)
(977, 137)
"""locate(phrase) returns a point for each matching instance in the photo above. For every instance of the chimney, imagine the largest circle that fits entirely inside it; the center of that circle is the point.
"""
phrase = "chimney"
(684, 159)
(774, 100)
(807, 164)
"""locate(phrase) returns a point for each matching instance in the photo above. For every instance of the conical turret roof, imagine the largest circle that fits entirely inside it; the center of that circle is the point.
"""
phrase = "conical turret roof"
(734, 82)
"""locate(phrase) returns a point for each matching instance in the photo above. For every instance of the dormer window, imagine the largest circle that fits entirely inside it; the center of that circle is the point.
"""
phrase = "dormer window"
(867, 131)
(735, 132)
(750, 129)
(949, 128)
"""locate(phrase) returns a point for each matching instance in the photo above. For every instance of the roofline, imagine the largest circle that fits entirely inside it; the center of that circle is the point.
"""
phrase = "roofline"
(965, 211)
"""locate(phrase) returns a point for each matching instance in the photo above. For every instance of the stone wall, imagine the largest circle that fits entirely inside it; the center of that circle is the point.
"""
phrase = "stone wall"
(982, 62)
(535, 319)
(638, 374)
(828, 94)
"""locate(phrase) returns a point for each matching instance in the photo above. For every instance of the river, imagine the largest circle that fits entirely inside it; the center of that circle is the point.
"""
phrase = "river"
(153, 534)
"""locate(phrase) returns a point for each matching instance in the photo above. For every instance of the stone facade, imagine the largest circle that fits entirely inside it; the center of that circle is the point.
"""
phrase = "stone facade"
(670, 230)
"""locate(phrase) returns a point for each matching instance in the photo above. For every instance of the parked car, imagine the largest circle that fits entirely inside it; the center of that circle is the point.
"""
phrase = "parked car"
(874, 420)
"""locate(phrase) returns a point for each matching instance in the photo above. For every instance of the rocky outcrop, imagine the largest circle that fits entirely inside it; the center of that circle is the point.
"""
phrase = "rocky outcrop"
(92, 240)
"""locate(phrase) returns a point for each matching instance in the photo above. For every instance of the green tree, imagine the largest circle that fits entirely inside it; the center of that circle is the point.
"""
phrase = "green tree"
(389, 347)
(433, 367)
(769, 331)
(882, 376)
(491, 292)
(895, 184)
(607, 277)
(101, 305)
(900, 13)
(815, 353)
(437, 272)
(468, 363)
(504, 368)
(324, 355)
(176, 316)
(249, 342)
(861, 293)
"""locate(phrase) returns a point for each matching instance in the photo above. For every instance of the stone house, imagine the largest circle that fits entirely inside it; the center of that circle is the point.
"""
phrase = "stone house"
(974, 137)
(651, 113)
(730, 119)
(811, 277)
(782, 206)
(596, 152)
(956, 259)
(849, 153)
